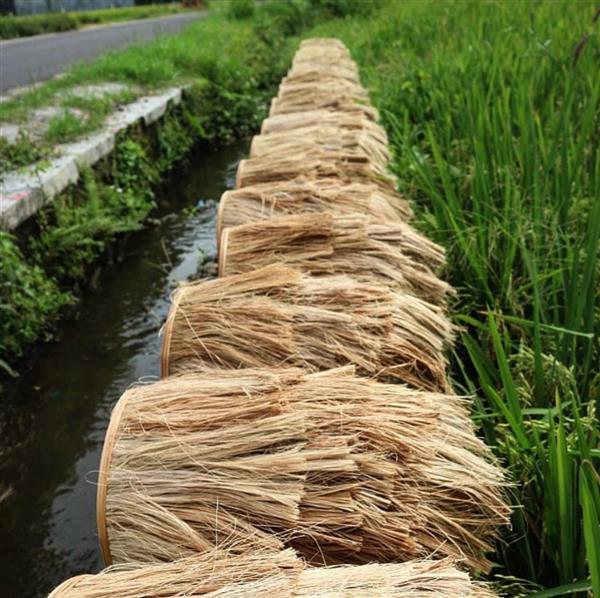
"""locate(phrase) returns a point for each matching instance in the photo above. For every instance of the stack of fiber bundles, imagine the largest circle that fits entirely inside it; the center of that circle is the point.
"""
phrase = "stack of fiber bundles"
(258, 457)
(272, 575)
(359, 284)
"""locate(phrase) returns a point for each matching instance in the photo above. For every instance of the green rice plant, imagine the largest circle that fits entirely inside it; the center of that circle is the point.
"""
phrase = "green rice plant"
(492, 110)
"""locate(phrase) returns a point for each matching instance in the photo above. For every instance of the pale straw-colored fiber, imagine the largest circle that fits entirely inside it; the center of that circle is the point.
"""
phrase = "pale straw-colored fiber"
(344, 469)
(325, 243)
(314, 164)
(265, 575)
(304, 196)
(278, 315)
(356, 142)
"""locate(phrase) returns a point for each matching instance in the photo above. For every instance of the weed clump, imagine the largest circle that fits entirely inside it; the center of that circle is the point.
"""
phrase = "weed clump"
(241, 9)
(29, 301)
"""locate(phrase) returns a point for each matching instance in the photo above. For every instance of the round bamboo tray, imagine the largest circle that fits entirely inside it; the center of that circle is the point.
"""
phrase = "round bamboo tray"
(105, 460)
(167, 332)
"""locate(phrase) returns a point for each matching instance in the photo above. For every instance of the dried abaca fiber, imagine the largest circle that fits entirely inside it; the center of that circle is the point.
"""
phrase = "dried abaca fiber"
(326, 243)
(415, 579)
(328, 138)
(446, 492)
(304, 196)
(277, 315)
(267, 575)
(324, 102)
(322, 55)
(309, 72)
(182, 465)
(319, 44)
(313, 164)
(295, 89)
(202, 574)
(354, 120)
(300, 98)
(371, 471)
(322, 48)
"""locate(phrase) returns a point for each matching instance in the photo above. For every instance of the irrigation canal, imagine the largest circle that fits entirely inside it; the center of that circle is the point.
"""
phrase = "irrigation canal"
(53, 417)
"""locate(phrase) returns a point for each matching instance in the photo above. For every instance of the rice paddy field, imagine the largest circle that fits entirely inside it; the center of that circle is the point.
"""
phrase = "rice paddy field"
(492, 112)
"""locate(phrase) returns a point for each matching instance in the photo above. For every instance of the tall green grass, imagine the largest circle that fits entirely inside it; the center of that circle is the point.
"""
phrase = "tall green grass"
(492, 111)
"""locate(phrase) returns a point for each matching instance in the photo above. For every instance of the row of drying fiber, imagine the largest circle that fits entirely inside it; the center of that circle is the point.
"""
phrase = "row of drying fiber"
(304, 440)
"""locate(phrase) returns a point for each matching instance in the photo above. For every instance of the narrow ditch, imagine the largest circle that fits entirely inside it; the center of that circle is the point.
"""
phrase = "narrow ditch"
(53, 417)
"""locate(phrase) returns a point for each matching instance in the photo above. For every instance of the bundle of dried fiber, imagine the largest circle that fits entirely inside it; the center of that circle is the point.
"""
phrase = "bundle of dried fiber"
(309, 72)
(328, 138)
(198, 575)
(385, 473)
(326, 244)
(415, 579)
(353, 120)
(303, 60)
(277, 315)
(324, 102)
(323, 44)
(273, 576)
(322, 49)
(293, 89)
(302, 97)
(196, 462)
(313, 164)
(302, 196)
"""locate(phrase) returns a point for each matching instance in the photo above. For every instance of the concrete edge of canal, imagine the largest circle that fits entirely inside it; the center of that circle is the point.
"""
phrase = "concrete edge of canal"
(24, 192)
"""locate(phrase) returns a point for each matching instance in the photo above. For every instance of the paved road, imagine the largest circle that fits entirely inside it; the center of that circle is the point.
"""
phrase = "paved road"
(32, 59)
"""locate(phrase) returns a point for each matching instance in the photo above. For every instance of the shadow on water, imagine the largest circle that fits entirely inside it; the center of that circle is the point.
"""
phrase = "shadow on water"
(54, 416)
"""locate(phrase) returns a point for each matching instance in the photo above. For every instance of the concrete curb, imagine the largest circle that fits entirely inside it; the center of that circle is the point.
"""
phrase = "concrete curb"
(24, 192)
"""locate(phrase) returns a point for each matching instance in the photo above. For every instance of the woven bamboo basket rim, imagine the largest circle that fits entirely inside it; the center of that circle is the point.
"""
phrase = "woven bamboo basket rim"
(69, 584)
(223, 252)
(252, 146)
(101, 492)
(165, 349)
(220, 216)
(238, 176)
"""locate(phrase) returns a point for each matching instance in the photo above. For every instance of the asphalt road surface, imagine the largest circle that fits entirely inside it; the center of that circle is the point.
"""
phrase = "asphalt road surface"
(32, 59)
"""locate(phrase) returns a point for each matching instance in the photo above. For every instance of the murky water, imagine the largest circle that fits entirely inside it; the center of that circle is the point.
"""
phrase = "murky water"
(54, 416)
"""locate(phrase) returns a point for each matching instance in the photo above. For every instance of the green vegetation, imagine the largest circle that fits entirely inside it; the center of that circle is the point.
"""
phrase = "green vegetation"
(492, 111)
(241, 9)
(22, 152)
(30, 301)
(69, 125)
(24, 26)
